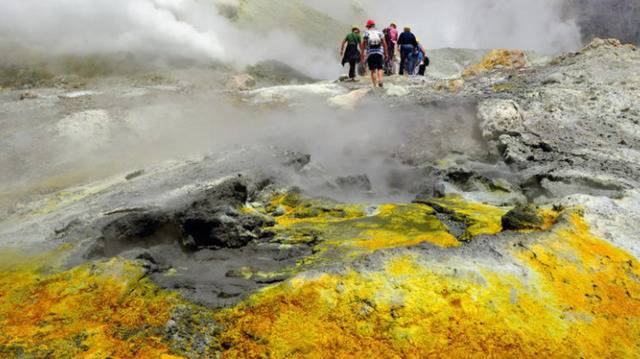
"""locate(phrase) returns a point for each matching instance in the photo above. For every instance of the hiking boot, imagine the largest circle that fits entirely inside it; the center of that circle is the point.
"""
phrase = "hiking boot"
(381, 84)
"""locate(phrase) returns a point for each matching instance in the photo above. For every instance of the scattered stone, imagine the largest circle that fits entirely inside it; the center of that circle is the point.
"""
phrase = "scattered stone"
(28, 95)
(555, 78)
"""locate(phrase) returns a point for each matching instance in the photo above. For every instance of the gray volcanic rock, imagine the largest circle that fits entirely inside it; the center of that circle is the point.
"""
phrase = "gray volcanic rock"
(499, 117)
(569, 126)
(584, 129)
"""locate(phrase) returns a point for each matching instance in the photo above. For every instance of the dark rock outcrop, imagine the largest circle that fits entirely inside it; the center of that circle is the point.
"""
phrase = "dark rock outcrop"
(212, 220)
(522, 218)
(359, 182)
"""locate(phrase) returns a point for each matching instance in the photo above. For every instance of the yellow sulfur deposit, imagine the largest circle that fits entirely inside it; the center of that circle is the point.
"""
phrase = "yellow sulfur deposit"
(578, 297)
(401, 226)
(95, 311)
(360, 228)
(480, 218)
(498, 58)
(559, 293)
(453, 86)
(594, 286)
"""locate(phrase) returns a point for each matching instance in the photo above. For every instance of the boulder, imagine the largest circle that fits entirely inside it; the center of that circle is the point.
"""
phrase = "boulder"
(212, 221)
(555, 78)
(221, 229)
(396, 91)
(348, 101)
(499, 117)
(498, 59)
(241, 82)
(28, 95)
(512, 150)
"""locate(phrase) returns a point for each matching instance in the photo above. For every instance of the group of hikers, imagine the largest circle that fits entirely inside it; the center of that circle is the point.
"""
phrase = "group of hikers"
(378, 50)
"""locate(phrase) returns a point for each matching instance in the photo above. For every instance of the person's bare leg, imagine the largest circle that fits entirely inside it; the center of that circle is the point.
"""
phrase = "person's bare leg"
(380, 76)
(374, 78)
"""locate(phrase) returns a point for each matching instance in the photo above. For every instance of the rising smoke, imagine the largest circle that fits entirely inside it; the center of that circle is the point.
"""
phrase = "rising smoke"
(195, 29)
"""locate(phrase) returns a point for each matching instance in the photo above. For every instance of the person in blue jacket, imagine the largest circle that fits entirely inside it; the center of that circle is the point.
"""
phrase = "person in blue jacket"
(419, 60)
(407, 44)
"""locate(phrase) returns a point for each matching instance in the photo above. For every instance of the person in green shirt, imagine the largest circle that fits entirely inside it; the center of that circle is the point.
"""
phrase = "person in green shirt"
(351, 54)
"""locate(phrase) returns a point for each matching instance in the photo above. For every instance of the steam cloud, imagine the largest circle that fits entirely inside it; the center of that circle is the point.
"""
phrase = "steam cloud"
(195, 29)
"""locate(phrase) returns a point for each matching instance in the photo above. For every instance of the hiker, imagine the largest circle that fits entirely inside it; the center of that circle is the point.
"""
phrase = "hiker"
(420, 60)
(351, 54)
(407, 43)
(416, 60)
(391, 37)
(374, 46)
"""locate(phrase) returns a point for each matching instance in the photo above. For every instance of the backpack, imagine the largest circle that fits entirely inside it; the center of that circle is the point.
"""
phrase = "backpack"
(374, 40)
(387, 37)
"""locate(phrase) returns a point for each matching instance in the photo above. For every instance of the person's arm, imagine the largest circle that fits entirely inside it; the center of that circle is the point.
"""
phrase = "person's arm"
(362, 50)
(386, 50)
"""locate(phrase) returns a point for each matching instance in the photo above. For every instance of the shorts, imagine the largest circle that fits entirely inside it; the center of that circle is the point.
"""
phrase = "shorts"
(375, 62)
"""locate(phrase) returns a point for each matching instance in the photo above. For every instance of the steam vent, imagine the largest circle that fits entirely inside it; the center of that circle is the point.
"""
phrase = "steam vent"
(195, 179)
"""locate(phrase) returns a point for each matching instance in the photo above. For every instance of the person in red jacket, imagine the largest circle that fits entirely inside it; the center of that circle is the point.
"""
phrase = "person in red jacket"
(375, 48)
